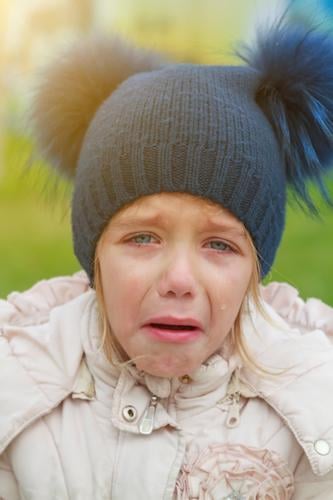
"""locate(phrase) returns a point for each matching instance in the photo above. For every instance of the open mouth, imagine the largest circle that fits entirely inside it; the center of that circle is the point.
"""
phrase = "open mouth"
(163, 326)
(165, 332)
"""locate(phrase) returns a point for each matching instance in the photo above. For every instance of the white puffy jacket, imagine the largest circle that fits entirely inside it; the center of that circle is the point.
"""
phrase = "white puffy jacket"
(73, 427)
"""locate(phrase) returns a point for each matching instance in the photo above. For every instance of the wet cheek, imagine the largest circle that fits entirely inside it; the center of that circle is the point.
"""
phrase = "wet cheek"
(229, 295)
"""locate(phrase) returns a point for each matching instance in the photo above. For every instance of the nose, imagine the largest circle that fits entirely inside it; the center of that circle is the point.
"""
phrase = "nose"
(177, 278)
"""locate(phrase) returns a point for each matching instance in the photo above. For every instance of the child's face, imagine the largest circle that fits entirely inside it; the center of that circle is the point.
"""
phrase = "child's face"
(174, 273)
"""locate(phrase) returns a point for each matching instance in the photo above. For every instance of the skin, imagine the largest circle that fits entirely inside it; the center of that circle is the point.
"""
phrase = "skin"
(192, 260)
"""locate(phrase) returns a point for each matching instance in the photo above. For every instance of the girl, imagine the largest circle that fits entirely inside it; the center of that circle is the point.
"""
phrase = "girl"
(174, 375)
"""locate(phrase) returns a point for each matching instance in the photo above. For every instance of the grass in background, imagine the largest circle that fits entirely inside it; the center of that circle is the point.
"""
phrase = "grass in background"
(305, 257)
(34, 221)
(36, 242)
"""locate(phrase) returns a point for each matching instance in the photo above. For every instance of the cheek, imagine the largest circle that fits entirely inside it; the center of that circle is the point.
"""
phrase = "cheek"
(230, 293)
(124, 290)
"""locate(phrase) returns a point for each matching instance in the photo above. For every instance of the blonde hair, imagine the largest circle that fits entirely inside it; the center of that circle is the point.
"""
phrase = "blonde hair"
(116, 354)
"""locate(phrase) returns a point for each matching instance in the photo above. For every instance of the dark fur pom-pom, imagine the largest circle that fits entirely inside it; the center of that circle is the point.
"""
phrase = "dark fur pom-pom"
(296, 94)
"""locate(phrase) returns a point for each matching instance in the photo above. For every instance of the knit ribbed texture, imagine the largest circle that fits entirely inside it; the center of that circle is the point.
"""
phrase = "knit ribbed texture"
(184, 128)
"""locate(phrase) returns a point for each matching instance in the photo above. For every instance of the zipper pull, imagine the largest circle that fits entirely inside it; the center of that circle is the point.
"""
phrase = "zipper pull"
(233, 417)
(147, 421)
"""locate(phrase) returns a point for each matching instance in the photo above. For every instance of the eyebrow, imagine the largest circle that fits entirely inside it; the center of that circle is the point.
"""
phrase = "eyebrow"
(136, 220)
(225, 228)
(159, 219)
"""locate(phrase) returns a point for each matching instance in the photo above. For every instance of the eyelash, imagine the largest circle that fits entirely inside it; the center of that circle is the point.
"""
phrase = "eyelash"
(132, 238)
(227, 247)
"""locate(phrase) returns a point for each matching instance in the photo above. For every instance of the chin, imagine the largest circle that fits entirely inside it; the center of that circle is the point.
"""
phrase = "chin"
(168, 367)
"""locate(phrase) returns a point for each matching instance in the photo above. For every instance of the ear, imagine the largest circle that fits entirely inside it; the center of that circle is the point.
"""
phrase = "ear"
(71, 89)
(296, 93)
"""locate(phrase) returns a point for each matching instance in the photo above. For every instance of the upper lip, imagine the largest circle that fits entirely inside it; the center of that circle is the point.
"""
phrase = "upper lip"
(171, 320)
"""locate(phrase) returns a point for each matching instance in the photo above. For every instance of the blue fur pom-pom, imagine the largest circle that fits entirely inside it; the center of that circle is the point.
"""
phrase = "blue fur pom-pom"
(296, 94)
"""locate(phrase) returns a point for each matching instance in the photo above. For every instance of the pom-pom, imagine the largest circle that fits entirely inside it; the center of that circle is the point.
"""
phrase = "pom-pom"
(74, 86)
(296, 94)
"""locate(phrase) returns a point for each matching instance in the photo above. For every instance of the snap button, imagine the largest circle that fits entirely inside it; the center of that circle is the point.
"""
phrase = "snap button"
(129, 413)
(322, 447)
(185, 379)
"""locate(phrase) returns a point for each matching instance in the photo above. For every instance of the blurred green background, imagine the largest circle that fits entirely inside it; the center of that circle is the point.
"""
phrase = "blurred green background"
(35, 238)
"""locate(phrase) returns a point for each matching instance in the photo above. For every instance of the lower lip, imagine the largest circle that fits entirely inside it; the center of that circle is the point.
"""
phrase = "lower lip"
(174, 336)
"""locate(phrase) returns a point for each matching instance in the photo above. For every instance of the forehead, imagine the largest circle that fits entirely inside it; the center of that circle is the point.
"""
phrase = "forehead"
(163, 206)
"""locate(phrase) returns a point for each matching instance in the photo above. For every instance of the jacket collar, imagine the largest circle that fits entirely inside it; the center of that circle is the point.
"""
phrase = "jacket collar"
(125, 387)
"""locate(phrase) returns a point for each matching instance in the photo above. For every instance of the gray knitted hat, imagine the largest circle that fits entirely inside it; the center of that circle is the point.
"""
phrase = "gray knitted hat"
(125, 124)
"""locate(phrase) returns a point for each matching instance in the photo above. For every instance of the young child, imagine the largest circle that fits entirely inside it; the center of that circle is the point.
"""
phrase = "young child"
(174, 375)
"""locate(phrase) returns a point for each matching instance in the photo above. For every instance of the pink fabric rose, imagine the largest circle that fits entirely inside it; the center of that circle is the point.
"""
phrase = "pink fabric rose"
(234, 472)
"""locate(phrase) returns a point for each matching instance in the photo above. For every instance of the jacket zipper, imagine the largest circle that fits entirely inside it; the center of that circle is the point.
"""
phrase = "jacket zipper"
(232, 400)
(147, 422)
(233, 416)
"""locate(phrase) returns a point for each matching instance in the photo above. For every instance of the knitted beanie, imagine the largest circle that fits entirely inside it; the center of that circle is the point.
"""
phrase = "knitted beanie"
(125, 124)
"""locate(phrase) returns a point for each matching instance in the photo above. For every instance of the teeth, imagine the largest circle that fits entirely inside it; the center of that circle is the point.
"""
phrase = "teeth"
(173, 327)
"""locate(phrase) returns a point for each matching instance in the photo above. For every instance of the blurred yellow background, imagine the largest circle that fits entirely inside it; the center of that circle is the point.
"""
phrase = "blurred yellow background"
(34, 226)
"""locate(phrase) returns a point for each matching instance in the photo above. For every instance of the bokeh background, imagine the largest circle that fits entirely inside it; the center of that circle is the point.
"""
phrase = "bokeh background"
(35, 241)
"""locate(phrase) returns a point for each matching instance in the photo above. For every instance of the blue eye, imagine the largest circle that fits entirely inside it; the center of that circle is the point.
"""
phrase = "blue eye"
(142, 238)
(219, 245)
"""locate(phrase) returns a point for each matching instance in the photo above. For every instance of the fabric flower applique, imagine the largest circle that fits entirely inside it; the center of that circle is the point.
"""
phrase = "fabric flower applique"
(234, 472)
